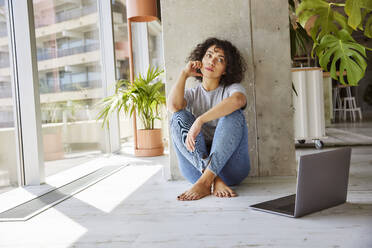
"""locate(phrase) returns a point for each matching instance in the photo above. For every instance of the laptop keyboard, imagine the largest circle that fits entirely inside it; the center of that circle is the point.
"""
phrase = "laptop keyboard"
(289, 207)
(281, 205)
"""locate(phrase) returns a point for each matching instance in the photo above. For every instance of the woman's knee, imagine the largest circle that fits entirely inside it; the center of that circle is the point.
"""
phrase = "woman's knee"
(182, 115)
(180, 123)
(235, 117)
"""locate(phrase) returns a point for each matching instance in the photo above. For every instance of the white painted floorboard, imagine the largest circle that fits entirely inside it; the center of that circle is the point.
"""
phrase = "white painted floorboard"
(137, 208)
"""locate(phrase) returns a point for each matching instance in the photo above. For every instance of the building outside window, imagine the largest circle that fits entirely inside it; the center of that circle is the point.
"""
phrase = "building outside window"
(70, 82)
(69, 64)
(8, 162)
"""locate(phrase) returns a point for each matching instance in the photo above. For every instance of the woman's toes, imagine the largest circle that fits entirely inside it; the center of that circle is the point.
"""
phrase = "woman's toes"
(185, 196)
(180, 196)
(190, 197)
(194, 197)
(231, 192)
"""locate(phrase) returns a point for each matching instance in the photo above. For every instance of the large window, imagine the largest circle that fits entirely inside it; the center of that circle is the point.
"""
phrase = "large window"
(68, 52)
(8, 164)
(71, 81)
(122, 60)
(155, 44)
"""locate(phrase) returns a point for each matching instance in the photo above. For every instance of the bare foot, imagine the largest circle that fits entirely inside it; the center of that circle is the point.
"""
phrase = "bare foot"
(220, 189)
(197, 191)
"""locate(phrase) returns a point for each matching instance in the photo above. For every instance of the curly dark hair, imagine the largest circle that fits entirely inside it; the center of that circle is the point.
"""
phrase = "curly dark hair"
(235, 64)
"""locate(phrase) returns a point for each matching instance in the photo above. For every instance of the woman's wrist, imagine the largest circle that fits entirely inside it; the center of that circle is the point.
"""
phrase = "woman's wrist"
(184, 74)
(200, 119)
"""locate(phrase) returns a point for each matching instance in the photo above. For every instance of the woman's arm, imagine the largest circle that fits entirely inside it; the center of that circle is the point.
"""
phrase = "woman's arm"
(176, 100)
(225, 107)
(228, 105)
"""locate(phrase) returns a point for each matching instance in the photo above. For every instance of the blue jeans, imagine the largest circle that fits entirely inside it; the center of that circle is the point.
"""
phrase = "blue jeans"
(228, 156)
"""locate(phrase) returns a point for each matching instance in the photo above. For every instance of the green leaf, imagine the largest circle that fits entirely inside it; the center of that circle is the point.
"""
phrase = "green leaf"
(311, 5)
(347, 51)
(368, 27)
(367, 4)
(364, 14)
(328, 21)
(357, 11)
(352, 9)
(142, 95)
(299, 41)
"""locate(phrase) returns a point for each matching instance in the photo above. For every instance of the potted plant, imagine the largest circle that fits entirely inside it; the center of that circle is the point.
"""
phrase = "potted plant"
(52, 132)
(326, 26)
(330, 25)
(145, 95)
(55, 116)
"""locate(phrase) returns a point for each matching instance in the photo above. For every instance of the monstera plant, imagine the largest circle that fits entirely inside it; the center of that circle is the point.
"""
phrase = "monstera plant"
(330, 25)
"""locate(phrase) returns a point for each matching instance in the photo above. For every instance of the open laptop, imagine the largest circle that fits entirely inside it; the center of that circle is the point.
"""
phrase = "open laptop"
(321, 183)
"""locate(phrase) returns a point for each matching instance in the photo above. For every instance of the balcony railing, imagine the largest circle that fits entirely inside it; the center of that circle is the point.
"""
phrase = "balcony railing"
(75, 13)
(49, 53)
(5, 91)
(3, 33)
(68, 15)
(4, 63)
(72, 86)
(76, 86)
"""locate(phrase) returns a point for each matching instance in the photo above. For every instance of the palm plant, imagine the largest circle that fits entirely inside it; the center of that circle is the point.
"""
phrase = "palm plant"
(143, 95)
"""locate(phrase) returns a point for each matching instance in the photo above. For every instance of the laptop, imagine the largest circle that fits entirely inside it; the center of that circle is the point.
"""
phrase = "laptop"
(321, 183)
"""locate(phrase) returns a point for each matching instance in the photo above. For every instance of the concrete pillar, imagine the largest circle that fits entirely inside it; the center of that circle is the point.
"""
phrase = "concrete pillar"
(259, 29)
(274, 111)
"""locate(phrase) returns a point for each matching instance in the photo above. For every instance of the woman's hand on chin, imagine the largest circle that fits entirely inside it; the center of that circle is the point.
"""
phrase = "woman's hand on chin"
(193, 132)
(192, 67)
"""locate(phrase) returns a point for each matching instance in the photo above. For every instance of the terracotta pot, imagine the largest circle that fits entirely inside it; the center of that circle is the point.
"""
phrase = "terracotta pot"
(53, 146)
(149, 143)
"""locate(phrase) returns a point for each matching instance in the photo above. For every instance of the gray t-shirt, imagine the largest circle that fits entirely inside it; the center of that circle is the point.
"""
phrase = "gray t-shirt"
(200, 101)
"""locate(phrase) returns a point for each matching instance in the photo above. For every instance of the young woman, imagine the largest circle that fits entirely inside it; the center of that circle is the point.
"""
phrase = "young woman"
(208, 128)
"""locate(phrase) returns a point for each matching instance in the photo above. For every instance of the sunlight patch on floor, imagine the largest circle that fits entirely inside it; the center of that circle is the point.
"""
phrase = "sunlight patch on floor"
(112, 191)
